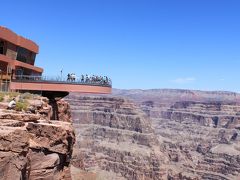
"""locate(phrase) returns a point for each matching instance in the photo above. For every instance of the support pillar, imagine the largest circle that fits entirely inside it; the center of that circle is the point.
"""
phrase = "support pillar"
(53, 97)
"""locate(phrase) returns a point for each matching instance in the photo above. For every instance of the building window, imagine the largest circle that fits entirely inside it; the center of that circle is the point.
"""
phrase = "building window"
(19, 72)
(25, 56)
(1, 47)
(22, 54)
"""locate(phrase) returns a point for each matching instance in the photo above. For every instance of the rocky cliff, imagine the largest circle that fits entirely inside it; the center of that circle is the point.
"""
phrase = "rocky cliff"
(174, 95)
(157, 134)
(115, 140)
(202, 138)
(168, 136)
(32, 146)
(199, 130)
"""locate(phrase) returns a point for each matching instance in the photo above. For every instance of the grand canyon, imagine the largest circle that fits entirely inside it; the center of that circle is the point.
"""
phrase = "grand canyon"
(157, 134)
(130, 134)
(120, 90)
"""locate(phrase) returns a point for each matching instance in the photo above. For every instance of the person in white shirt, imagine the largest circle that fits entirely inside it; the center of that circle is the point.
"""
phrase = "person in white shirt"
(12, 104)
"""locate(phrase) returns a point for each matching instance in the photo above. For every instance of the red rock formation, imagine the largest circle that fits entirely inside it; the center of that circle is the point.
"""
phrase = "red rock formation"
(199, 130)
(64, 113)
(115, 140)
(34, 147)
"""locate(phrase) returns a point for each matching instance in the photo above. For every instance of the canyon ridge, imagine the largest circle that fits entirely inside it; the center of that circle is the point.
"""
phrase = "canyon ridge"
(131, 134)
(157, 134)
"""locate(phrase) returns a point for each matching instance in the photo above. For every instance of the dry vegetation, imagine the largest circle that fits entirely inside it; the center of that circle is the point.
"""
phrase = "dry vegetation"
(22, 99)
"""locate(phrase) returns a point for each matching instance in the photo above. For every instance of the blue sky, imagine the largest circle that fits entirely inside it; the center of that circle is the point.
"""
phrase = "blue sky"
(140, 44)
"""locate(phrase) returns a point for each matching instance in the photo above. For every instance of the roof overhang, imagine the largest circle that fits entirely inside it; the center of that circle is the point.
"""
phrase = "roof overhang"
(13, 38)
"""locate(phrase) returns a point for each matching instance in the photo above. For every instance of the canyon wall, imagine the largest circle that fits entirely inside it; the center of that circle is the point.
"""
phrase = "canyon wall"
(202, 138)
(199, 130)
(115, 140)
(34, 147)
(157, 134)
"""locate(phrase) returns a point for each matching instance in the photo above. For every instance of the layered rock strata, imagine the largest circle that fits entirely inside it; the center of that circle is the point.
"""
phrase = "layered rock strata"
(115, 140)
(202, 138)
(179, 134)
(34, 147)
(199, 130)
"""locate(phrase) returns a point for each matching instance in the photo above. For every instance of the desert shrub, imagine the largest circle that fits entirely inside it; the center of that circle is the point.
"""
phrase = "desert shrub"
(1, 98)
(12, 95)
(27, 96)
(21, 105)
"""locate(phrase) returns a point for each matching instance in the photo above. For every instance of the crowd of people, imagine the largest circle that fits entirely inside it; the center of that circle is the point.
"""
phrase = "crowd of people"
(104, 80)
(71, 77)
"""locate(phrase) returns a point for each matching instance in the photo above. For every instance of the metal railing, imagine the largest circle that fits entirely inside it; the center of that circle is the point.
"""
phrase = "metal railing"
(106, 82)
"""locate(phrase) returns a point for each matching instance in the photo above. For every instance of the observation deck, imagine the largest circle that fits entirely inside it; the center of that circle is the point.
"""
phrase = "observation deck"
(60, 86)
(19, 73)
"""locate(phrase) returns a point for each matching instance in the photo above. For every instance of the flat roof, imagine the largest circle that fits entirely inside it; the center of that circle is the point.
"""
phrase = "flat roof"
(8, 35)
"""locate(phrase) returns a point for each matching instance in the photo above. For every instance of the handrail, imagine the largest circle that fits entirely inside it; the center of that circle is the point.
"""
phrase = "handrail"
(99, 82)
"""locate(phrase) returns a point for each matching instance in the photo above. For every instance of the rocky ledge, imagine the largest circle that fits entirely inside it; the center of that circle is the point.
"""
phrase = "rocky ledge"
(32, 146)
(115, 140)
(202, 138)
(199, 130)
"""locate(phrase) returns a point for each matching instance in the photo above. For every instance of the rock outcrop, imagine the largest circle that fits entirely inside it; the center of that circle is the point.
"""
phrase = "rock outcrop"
(158, 134)
(199, 130)
(115, 140)
(202, 138)
(32, 146)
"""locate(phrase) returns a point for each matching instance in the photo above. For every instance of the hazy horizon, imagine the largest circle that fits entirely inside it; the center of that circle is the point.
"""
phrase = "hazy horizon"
(139, 89)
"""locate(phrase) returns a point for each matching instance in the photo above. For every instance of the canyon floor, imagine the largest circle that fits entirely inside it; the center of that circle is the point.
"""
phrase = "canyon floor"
(157, 134)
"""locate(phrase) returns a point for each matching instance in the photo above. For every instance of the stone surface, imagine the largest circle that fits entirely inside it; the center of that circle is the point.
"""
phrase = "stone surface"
(115, 139)
(34, 147)
(64, 111)
(199, 130)
(157, 134)
(54, 138)
(12, 166)
(19, 116)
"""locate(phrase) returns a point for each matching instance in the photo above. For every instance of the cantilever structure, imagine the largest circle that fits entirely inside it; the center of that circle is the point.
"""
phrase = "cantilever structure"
(19, 73)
